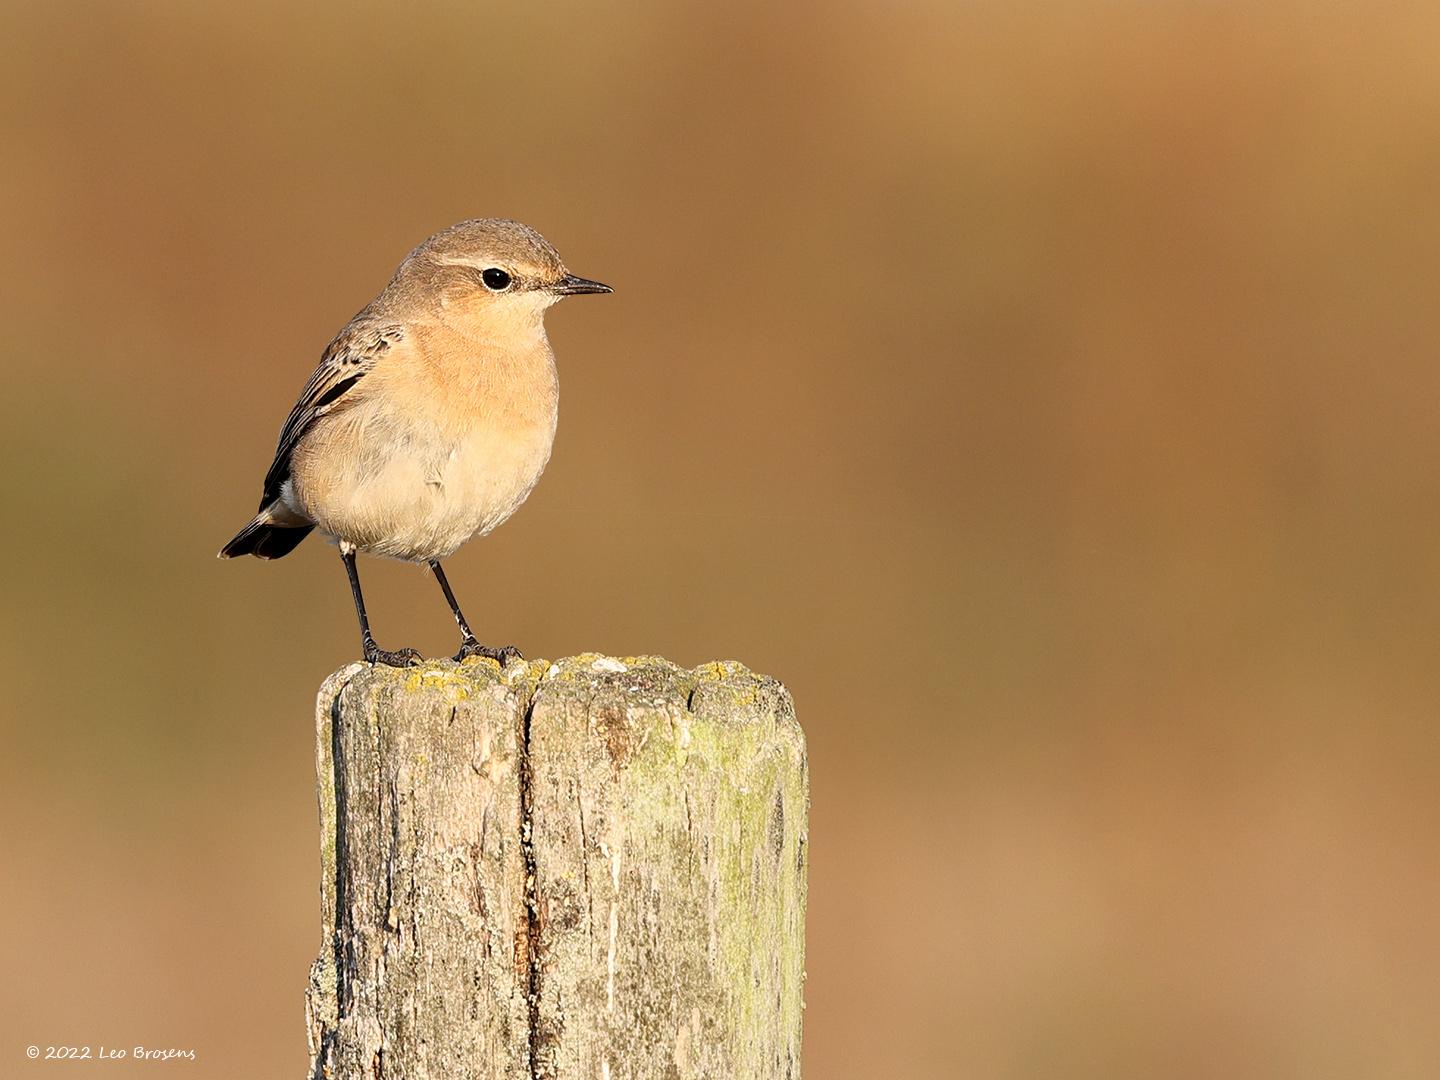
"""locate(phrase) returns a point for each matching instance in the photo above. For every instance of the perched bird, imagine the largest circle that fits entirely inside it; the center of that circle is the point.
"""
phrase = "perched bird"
(430, 417)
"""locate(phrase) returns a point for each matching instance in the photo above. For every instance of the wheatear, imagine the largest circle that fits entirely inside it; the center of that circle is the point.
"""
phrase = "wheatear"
(430, 417)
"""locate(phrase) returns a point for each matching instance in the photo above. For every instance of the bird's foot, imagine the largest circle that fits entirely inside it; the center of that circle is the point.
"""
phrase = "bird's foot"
(470, 647)
(399, 658)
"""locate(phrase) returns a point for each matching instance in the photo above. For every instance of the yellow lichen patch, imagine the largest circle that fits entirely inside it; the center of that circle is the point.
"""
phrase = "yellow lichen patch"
(452, 682)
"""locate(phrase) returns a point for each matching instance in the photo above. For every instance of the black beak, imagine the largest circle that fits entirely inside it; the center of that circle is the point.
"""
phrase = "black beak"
(570, 285)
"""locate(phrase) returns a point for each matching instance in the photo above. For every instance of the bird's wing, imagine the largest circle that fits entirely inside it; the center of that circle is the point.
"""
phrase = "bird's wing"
(348, 359)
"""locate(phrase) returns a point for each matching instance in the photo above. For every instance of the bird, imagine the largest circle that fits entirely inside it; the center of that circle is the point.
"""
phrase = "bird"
(430, 417)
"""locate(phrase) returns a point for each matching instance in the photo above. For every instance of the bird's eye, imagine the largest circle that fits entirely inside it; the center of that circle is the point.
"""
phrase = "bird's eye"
(496, 280)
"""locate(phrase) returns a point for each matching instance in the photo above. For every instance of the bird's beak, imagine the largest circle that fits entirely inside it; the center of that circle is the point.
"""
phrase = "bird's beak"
(570, 285)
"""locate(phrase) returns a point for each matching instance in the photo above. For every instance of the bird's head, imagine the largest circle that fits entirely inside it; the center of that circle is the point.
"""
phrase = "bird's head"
(494, 270)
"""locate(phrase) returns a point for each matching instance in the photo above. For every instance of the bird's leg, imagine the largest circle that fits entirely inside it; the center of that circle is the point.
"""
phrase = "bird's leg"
(373, 653)
(469, 646)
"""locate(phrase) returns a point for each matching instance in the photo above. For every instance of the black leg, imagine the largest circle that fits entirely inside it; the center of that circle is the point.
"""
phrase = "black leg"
(373, 653)
(468, 645)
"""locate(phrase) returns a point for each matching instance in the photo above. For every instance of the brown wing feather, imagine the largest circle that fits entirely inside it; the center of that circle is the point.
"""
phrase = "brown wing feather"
(348, 359)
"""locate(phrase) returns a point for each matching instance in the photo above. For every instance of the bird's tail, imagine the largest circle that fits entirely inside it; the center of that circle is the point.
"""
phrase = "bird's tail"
(266, 537)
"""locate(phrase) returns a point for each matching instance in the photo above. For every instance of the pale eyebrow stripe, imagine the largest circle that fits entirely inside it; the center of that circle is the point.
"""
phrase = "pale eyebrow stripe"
(521, 281)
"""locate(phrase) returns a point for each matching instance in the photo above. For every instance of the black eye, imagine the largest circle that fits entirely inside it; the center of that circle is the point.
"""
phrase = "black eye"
(496, 280)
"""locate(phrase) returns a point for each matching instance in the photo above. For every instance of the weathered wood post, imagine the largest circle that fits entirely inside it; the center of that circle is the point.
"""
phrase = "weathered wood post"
(594, 868)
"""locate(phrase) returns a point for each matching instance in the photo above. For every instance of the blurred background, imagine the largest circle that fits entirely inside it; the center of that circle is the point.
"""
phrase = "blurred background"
(1045, 393)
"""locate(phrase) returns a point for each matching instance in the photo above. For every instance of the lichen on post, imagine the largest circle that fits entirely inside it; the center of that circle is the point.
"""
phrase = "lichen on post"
(588, 868)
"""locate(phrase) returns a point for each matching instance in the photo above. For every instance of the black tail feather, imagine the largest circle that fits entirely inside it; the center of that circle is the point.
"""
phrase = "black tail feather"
(265, 540)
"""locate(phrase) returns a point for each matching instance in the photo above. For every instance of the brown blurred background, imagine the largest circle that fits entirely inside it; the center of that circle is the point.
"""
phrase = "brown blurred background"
(1047, 396)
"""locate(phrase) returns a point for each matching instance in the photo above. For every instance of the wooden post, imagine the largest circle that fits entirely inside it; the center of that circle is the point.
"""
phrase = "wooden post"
(593, 868)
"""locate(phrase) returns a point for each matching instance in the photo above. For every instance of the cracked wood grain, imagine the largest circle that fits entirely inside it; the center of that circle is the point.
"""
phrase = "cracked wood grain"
(589, 869)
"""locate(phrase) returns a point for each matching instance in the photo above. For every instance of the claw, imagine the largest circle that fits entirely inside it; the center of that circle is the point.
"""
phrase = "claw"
(398, 658)
(502, 656)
